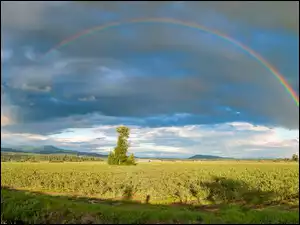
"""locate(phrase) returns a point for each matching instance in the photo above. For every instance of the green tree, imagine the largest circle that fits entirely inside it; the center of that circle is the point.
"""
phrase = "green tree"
(119, 155)
(111, 159)
(295, 157)
(131, 160)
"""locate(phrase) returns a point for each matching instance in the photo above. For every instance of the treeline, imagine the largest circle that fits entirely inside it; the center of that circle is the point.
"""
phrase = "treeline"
(6, 157)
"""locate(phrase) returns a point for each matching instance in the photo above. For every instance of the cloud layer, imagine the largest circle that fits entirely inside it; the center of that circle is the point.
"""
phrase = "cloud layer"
(147, 75)
(229, 139)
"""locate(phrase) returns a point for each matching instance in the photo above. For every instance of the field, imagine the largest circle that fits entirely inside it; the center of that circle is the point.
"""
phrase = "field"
(162, 192)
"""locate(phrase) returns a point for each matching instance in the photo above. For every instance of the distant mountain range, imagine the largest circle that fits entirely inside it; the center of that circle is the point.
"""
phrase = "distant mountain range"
(48, 149)
(207, 157)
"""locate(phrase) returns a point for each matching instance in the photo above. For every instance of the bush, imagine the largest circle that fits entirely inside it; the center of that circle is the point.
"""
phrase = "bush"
(295, 157)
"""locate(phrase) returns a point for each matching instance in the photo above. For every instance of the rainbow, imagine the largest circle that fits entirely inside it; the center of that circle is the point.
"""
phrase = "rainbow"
(225, 37)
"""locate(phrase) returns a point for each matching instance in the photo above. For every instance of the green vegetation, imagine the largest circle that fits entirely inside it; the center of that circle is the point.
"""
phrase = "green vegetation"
(295, 157)
(34, 208)
(167, 182)
(167, 192)
(25, 157)
(119, 155)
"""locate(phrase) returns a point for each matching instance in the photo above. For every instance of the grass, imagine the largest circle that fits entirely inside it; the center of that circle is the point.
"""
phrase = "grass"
(35, 208)
(181, 192)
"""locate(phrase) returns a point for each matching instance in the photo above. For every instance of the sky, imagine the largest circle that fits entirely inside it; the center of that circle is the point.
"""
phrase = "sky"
(180, 90)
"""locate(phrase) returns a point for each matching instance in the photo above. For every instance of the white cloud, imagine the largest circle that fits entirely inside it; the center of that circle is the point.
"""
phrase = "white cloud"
(23, 135)
(248, 126)
(15, 139)
(89, 98)
(30, 54)
(229, 139)
(76, 135)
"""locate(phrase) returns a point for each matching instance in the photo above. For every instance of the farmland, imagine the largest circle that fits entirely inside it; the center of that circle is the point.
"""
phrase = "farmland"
(178, 185)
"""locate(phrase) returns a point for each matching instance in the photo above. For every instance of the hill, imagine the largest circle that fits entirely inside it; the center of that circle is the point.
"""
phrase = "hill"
(48, 149)
(207, 157)
(11, 150)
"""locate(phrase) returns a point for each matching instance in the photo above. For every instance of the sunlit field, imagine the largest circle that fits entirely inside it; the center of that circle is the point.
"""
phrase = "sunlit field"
(160, 182)
(192, 184)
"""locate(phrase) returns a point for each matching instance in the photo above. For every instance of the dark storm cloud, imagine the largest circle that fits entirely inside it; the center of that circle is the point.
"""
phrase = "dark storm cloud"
(145, 95)
(150, 70)
(265, 14)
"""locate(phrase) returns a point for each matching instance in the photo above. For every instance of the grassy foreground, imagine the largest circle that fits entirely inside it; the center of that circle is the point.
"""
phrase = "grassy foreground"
(32, 208)
(168, 192)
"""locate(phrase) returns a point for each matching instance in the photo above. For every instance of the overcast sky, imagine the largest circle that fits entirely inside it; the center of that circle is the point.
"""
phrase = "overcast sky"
(182, 91)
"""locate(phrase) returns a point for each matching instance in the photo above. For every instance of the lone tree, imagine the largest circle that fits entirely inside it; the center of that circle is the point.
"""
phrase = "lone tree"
(119, 155)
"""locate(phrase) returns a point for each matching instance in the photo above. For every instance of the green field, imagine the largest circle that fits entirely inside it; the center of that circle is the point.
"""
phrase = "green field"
(177, 192)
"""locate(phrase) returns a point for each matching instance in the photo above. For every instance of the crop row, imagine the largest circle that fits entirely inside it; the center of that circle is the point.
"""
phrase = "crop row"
(161, 182)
